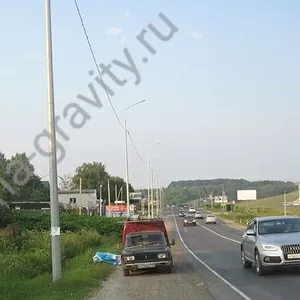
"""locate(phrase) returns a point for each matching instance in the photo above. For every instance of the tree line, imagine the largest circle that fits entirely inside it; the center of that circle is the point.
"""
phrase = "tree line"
(37, 189)
(186, 190)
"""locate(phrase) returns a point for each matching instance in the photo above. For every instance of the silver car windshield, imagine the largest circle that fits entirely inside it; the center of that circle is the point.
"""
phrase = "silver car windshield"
(279, 226)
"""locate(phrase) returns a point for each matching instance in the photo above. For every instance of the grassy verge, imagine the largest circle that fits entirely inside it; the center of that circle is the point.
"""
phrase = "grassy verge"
(25, 265)
(243, 214)
(80, 279)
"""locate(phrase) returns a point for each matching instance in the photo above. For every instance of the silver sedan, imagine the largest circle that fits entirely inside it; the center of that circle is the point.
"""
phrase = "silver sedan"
(271, 242)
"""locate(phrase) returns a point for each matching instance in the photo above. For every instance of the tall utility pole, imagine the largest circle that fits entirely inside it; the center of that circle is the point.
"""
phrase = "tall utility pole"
(149, 183)
(108, 191)
(100, 203)
(116, 193)
(126, 170)
(160, 197)
(55, 222)
(284, 202)
(80, 196)
(152, 195)
(157, 198)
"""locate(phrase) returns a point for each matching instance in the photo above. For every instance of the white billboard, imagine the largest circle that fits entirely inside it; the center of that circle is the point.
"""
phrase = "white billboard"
(246, 195)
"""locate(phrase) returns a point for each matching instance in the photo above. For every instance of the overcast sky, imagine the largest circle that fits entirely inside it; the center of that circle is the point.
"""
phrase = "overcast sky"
(222, 95)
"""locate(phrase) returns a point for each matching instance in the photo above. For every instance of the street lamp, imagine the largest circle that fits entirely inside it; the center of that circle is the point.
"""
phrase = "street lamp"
(126, 156)
(152, 183)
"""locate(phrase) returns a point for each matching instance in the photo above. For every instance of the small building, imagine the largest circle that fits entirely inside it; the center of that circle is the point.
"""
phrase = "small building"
(73, 198)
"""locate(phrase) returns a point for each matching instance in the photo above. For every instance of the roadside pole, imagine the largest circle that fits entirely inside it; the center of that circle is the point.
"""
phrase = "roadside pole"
(80, 196)
(108, 189)
(55, 221)
(284, 202)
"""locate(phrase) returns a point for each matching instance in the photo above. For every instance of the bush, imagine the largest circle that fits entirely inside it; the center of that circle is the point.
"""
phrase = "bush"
(34, 256)
(69, 222)
(6, 217)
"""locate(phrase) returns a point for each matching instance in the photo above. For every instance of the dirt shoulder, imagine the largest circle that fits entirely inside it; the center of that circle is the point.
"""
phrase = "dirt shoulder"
(233, 224)
(184, 283)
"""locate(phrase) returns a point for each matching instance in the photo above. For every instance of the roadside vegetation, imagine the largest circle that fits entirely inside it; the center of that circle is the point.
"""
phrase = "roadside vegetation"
(25, 258)
(187, 190)
(246, 210)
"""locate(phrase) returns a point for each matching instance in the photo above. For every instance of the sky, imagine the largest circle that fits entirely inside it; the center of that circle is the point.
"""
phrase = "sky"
(222, 94)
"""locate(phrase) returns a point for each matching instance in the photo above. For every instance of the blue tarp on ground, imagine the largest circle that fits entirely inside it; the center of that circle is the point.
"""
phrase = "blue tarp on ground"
(108, 258)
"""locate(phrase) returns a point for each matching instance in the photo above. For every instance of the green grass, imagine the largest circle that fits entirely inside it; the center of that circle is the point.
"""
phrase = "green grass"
(275, 202)
(26, 273)
(81, 277)
(246, 210)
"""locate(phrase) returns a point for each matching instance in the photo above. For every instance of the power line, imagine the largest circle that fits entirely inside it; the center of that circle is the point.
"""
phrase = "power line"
(135, 149)
(100, 76)
(96, 63)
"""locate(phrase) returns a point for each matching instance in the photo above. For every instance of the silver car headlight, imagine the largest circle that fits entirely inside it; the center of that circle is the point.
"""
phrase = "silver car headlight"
(194, 220)
(269, 247)
(185, 221)
(162, 255)
(129, 258)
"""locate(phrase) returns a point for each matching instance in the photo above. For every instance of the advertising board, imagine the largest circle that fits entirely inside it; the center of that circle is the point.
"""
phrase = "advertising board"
(246, 195)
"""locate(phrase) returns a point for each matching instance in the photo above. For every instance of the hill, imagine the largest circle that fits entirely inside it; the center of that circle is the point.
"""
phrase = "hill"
(186, 190)
(271, 202)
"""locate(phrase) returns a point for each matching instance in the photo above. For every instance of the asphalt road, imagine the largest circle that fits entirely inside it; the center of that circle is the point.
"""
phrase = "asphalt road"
(216, 253)
(186, 282)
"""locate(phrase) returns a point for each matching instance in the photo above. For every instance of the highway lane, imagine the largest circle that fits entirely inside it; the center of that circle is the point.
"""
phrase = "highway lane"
(224, 230)
(223, 257)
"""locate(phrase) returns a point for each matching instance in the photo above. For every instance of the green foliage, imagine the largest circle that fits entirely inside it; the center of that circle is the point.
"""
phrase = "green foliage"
(183, 191)
(18, 166)
(34, 256)
(93, 175)
(6, 217)
(71, 222)
(25, 272)
(25, 264)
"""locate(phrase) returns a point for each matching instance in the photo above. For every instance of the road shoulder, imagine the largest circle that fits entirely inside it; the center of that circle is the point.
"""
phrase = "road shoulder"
(185, 282)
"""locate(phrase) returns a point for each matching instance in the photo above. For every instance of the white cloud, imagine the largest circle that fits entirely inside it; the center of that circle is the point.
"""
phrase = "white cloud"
(113, 31)
(196, 35)
(127, 14)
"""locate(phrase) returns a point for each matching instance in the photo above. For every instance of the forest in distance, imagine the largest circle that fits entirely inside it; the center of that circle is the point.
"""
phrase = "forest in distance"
(186, 190)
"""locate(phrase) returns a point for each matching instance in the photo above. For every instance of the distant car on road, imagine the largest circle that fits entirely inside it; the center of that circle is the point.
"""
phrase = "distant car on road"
(181, 214)
(189, 221)
(192, 210)
(271, 242)
(210, 219)
(199, 215)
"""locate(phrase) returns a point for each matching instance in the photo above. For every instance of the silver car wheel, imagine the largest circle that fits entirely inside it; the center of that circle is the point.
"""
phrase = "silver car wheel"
(243, 257)
(257, 265)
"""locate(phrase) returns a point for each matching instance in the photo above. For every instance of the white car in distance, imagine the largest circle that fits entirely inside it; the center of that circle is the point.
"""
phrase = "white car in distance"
(192, 210)
(210, 219)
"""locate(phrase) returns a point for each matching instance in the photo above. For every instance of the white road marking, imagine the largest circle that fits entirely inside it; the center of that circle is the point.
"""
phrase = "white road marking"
(220, 235)
(239, 292)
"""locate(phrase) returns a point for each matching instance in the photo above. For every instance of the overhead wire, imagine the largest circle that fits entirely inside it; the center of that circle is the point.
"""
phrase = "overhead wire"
(100, 76)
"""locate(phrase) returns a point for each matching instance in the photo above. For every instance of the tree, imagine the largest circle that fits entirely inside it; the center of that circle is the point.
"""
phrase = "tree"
(18, 172)
(4, 194)
(93, 175)
(66, 183)
(121, 184)
(186, 190)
